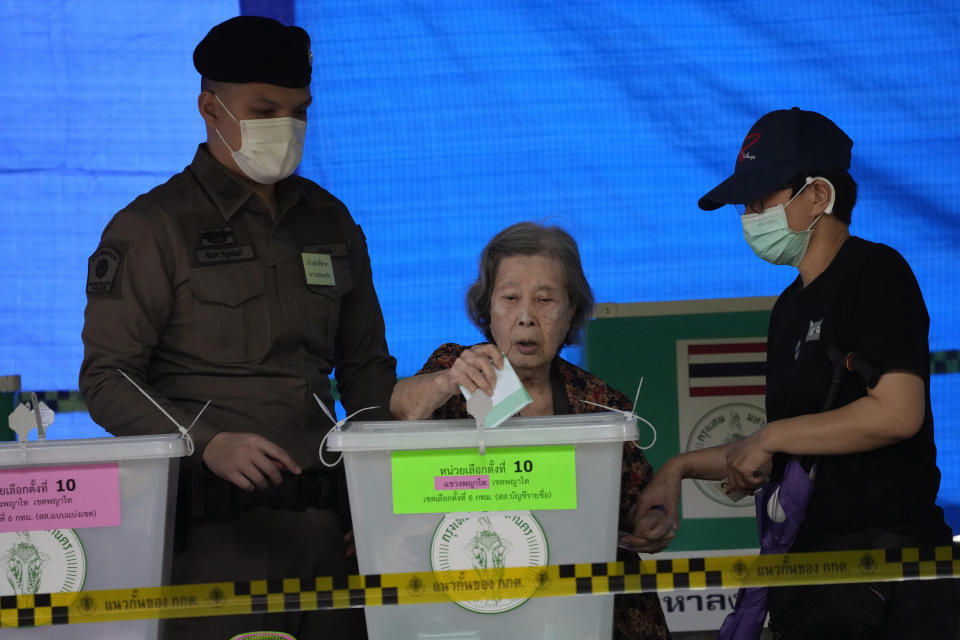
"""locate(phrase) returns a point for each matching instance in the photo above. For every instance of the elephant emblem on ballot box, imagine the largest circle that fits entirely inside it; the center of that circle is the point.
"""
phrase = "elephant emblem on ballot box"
(23, 564)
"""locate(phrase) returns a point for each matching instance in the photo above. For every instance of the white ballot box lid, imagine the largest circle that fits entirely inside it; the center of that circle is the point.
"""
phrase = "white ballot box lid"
(454, 434)
(92, 450)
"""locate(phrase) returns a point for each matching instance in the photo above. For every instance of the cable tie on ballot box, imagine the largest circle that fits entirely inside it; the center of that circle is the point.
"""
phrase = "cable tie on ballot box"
(184, 431)
(631, 415)
(337, 425)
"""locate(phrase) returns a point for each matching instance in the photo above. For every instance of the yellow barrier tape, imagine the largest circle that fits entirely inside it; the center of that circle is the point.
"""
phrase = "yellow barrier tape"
(295, 594)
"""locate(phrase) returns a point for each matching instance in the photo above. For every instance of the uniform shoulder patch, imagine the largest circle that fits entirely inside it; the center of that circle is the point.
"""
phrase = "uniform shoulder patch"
(104, 269)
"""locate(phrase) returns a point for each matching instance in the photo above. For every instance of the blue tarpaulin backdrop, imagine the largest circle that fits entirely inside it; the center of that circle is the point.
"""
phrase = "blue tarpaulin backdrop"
(439, 123)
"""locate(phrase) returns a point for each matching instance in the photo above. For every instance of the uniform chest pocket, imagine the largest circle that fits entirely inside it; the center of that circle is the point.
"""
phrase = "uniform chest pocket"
(323, 308)
(231, 319)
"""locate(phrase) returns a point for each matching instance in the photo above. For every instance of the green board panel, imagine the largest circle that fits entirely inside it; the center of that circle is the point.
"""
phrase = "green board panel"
(640, 340)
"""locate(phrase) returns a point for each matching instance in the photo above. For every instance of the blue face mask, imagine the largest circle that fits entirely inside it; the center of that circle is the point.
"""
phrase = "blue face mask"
(772, 239)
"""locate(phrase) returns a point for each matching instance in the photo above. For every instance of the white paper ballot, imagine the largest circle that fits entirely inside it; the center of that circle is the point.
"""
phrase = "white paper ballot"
(44, 416)
(22, 421)
(509, 396)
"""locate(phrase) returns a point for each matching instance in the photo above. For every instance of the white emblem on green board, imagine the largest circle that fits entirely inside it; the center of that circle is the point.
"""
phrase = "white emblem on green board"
(720, 426)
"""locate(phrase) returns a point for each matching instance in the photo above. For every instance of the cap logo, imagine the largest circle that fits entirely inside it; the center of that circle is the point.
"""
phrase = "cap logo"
(749, 142)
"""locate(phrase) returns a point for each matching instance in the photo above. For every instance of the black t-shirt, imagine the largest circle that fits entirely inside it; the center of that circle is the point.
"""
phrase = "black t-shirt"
(866, 301)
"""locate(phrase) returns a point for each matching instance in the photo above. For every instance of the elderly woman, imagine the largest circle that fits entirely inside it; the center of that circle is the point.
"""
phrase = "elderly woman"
(530, 299)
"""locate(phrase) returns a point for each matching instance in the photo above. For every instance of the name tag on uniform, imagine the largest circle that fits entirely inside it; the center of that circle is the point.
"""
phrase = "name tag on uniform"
(319, 269)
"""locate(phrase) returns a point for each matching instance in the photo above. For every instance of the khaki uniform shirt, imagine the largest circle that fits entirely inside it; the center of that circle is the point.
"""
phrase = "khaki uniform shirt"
(198, 294)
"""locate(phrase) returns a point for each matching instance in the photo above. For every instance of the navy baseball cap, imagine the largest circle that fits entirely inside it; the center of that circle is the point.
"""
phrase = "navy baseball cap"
(779, 146)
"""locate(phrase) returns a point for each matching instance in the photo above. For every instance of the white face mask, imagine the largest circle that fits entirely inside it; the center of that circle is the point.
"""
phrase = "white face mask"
(270, 148)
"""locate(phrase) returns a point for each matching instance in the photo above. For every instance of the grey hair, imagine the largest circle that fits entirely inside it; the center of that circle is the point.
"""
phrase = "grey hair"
(531, 239)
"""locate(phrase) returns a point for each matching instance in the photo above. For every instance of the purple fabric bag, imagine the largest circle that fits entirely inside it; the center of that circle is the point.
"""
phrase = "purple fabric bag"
(777, 529)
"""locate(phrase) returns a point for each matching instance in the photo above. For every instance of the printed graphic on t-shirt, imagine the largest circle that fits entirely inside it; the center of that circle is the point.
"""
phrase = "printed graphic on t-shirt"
(813, 334)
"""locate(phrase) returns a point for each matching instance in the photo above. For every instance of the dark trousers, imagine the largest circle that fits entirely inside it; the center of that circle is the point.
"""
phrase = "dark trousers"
(914, 609)
(265, 543)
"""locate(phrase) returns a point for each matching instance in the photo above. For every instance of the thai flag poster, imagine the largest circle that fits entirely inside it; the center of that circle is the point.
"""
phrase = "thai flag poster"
(721, 385)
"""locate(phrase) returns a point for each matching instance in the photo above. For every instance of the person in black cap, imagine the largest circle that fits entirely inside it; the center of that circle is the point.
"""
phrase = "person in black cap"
(876, 477)
(239, 283)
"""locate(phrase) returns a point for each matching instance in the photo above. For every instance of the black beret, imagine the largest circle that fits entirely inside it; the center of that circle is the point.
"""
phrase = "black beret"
(255, 49)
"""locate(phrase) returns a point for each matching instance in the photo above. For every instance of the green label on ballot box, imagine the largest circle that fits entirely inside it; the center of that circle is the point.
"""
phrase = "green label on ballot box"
(502, 479)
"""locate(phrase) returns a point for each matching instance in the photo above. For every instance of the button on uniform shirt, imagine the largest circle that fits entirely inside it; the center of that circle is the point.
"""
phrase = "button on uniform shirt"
(199, 294)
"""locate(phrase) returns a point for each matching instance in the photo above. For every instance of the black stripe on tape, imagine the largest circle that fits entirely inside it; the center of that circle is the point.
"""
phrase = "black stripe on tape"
(60, 615)
(584, 585)
(648, 582)
(616, 584)
(358, 597)
(324, 599)
(25, 617)
(390, 595)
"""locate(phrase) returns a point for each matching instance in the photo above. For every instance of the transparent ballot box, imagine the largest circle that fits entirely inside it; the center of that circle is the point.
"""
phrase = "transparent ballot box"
(423, 498)
(87, 515)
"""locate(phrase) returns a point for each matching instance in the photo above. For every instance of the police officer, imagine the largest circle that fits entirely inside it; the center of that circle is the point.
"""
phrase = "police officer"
(239, 283)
